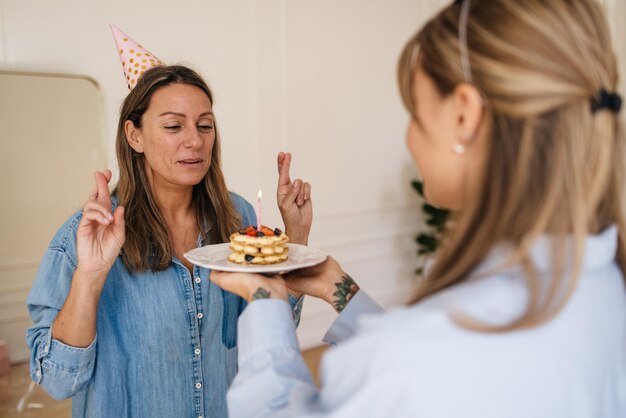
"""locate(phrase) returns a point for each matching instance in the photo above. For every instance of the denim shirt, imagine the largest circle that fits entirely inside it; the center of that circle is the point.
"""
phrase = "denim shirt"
(166, 343)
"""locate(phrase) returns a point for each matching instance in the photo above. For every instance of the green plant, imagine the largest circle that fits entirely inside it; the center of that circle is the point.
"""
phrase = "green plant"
(428, 240)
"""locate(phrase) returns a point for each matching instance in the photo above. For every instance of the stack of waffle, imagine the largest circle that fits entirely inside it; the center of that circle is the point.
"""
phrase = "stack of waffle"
(258, 246)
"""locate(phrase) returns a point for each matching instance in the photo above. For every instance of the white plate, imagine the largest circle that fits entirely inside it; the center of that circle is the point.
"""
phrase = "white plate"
(216, 257)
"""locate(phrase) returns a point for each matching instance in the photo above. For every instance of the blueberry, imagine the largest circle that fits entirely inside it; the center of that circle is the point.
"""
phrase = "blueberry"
(277, 231)
(249, 257)
(260, 234)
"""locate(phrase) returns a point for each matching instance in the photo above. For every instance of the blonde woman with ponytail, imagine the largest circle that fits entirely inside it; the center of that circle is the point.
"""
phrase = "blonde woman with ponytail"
(515, 127)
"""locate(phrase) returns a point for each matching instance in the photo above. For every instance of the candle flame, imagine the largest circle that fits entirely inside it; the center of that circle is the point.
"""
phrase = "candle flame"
(260, 195)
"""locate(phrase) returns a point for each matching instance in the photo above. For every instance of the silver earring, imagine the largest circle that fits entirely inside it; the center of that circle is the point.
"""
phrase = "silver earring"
(459, 148)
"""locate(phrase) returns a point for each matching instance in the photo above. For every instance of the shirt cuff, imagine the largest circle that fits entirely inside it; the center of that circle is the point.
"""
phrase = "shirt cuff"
(296, 307)
(345, 324)
(66, 356)
(60, 356)
(265, 324)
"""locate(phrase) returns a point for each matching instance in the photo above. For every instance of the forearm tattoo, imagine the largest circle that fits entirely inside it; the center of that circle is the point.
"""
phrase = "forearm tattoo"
(346, 289)
(261, 294)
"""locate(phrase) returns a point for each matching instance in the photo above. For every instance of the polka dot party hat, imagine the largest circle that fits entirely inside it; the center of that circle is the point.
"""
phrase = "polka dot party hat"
(135, 59)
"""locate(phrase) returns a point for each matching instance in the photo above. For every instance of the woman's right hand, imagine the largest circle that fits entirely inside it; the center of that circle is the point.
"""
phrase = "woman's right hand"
(99, 239)
(326, 281)
(100, 234)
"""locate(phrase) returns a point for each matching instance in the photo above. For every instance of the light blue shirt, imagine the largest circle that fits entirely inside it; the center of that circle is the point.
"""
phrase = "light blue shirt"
(417, 362)
(166, 343)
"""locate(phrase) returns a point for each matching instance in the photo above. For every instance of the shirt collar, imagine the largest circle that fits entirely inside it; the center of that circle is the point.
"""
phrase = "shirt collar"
(599, 250)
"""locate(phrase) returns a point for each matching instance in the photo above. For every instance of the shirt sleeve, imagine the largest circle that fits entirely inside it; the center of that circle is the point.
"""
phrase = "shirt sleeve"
(345, 324)
(245, 209)
(296, 307)
(62, 370)
(270, 364)
(274, 381)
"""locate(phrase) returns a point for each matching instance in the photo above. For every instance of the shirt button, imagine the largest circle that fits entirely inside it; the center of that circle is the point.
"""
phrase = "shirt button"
(198, 385)
(198, 280)
(197, 351)
(200, 315)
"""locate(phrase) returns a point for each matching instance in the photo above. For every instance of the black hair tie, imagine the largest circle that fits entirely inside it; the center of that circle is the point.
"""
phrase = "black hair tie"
(606, 100)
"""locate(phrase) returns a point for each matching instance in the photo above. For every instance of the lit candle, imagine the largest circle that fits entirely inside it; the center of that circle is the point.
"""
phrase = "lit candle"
(258, 210)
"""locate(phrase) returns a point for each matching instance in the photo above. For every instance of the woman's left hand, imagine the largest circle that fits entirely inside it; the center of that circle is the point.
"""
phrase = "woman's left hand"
(294, 202)
(251, 286)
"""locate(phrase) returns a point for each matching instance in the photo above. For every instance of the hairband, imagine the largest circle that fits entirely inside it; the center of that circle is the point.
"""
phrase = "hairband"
(606, 100)
(465, 61)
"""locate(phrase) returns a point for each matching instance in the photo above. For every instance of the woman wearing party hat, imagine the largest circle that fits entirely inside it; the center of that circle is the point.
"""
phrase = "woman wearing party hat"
(122, 322)
(514, 125)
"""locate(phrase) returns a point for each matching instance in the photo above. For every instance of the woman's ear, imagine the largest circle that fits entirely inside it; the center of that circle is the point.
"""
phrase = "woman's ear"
(469, 112)
(133, 136)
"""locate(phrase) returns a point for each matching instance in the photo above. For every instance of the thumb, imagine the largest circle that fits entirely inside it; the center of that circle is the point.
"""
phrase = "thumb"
(293, 192)
(119, 224)
(216, 277)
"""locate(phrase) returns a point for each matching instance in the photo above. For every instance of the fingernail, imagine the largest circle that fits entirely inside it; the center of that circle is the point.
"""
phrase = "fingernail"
(109, 217)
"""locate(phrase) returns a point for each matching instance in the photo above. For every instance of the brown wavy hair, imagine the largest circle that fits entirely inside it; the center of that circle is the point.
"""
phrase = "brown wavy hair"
(147, 244)
(554, 166)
